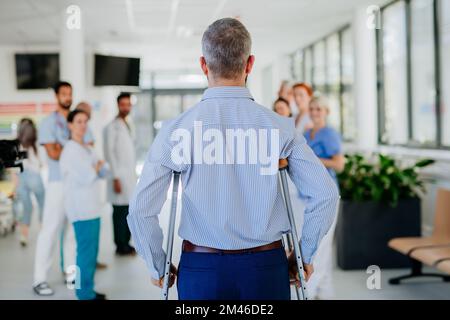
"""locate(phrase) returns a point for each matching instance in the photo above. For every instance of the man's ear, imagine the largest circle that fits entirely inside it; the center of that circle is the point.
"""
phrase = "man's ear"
(250, 63)
(204, 66)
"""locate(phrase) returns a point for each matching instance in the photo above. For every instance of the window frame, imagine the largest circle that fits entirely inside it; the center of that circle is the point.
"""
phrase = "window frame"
(310, 47)
(438, 145)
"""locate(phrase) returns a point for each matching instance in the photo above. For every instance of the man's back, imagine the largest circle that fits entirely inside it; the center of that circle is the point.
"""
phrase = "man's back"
(233, 195)
(227, 148)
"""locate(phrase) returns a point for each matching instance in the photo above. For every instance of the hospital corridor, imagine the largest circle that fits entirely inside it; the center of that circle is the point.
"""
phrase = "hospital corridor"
(224, 150)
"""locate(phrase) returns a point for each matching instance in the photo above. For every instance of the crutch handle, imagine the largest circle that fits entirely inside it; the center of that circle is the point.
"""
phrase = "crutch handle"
(282, 164)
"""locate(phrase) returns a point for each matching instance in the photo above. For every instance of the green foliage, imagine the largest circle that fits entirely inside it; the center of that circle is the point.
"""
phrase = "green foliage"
(382, 181)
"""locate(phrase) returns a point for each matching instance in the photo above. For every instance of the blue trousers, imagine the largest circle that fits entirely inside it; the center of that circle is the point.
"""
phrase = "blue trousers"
(87, 235)
(250, 276)
(30, 182)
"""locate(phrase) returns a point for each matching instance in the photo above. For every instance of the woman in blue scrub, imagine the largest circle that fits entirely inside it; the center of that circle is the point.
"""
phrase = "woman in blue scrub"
(324, 140)
(326, 144)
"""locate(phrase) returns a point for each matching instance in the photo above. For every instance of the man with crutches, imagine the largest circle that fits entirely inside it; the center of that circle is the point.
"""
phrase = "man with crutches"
(226, 150)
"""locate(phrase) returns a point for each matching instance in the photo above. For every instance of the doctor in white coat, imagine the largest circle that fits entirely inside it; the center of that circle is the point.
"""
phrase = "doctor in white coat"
(120, 154)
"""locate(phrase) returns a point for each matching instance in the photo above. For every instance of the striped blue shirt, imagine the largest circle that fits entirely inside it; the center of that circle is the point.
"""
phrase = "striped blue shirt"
(226, 204)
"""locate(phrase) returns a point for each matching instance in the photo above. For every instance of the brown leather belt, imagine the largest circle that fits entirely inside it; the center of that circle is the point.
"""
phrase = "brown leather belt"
(190, 247)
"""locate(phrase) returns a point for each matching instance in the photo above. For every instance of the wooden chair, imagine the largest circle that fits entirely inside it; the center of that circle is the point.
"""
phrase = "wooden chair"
(434, 250)
(444, 266)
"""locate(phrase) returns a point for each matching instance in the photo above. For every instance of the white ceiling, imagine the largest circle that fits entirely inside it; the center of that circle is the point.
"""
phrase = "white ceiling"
(167, 33)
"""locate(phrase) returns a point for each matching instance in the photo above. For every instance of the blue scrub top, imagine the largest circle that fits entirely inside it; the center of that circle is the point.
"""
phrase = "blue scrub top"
(326, 143)
(54, 129)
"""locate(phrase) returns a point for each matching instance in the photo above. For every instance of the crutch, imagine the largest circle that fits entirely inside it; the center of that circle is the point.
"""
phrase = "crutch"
(169, 246)
(289, 244)
(292, 238)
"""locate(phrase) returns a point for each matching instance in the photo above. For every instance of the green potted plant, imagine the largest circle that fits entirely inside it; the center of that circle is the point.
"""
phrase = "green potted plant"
(380, 201)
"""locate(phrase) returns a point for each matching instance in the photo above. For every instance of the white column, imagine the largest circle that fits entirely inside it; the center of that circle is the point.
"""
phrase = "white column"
(71, 58)
(365, 80)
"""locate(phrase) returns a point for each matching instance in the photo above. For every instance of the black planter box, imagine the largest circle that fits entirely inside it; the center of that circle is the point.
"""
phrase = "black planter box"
(364, 229)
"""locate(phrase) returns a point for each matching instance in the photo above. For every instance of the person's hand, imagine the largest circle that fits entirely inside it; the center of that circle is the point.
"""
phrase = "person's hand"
(99, 165)
(173, 274)
(117, 186)
(309, 270)
(293, 270)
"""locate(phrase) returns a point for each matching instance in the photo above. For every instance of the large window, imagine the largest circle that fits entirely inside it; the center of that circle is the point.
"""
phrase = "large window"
(297, 65)
(349, 128)
(319, 70)
(423, 85)
(394, 79)
(333, 79)
(414, 81)
(308, 66)
(328, 66)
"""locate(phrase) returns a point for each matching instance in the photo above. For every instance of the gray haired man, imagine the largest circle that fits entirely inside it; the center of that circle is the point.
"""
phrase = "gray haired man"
(233, 216)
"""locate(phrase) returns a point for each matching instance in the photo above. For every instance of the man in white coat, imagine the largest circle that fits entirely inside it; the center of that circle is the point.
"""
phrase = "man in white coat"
(120, 154)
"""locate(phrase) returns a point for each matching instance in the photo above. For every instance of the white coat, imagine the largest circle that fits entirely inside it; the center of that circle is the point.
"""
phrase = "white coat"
(80, 181)
(120, 154)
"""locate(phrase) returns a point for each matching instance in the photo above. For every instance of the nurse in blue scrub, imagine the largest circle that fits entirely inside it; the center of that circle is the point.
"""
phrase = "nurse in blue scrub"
(324, 140)
(326, 144)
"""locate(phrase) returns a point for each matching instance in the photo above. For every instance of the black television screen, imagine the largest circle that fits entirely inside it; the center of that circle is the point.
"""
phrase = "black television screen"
(37, 71)
(116, 71)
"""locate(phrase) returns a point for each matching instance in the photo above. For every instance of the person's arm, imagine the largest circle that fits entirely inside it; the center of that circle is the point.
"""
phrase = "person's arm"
(103, 169)
(317, 189)
(333, 145)
(48, 138)
(145, 206)
(53, 150)
(337, 162)
(101, 166)
(111, 155)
